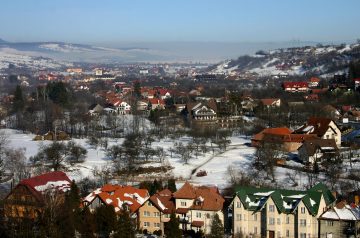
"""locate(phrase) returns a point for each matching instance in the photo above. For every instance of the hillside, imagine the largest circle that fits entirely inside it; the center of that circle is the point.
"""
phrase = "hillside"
(319, 60)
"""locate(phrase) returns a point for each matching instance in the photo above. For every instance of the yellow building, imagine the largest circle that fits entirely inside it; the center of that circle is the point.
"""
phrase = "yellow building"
(196, 207)
(274, 213)
(155, 212)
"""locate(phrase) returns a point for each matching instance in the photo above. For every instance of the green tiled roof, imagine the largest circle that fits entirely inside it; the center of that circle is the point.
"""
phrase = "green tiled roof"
(286, 201)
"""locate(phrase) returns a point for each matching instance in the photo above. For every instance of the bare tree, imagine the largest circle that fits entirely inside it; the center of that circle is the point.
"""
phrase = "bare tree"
(15, 162)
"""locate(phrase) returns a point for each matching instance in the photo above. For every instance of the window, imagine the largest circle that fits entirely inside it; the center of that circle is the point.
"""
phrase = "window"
(303, 223)
(287, 233)
(146, 224)
(302, 210)
(287, 219)
(183, 204)
(271, 221)
(156, 214)
(329, 223)
(150, 204)
(198, 214)
(255, 230)
(278, 234)
(278, 221)
(302, 235)
(208, 216)
(238, 204)
(238, 217)
(167, 215)
(146, 213)
(255, 217)
(156, 224)
(271, 208)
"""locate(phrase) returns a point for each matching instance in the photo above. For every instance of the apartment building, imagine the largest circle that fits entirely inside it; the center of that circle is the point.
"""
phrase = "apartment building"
(275, 213)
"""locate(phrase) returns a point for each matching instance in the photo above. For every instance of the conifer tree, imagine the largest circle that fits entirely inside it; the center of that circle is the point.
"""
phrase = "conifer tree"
(171, 185)
(87, 227)
(217, 228)
(105, 218)
(172, 229)
(125, 227)
(19, 102)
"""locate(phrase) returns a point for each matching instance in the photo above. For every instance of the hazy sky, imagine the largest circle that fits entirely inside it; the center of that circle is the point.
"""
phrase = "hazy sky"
(111, 21)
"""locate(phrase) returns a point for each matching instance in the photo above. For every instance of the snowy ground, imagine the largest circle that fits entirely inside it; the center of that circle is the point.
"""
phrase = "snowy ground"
(216, 164)
(238, 155)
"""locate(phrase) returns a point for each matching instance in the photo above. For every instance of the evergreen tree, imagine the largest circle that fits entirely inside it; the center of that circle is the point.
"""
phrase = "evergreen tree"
(137, 89)
(155, 187)
(58, 93)
(105, 218)
(125, 227)
(172, 229)
(19, 102)
(87, 227)
(171, 185)
(217, 228)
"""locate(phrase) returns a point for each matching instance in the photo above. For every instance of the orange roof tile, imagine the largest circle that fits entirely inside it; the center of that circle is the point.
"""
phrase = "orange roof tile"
(117, 195)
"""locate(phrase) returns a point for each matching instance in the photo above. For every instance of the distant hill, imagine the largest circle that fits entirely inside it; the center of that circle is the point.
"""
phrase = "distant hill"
(319, 60)
(62, 51)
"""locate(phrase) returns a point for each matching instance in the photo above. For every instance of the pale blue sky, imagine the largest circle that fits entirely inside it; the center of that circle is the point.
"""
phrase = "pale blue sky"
(111, 21)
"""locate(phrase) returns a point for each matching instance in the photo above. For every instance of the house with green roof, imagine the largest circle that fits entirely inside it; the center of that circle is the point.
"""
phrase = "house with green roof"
(275, 213)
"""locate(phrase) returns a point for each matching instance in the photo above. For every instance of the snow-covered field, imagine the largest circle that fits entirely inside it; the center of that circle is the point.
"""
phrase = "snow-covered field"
(238, 155)
(216, 164)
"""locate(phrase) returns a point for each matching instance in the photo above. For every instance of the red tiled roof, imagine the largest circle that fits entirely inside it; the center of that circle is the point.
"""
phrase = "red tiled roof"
(269, 101)
(197, 223)
(163, 201)
(295, 84)
(156, 101)
(117, 195)
(314, 80)
(276, 131)
(54, 180)
(186, 191)
(182, 210)
(320, 126)
(206, 198)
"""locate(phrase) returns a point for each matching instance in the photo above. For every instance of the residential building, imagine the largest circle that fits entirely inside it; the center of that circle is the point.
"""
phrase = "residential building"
(340, 221)
(282, 136)
(28, 198)
(296, 86)
(314, 82)
(118, 196)
(275, 213)
(196, 207)
(324, 128)
(155, 212)
(203, 112)
(314, 150)
(271, 102)
(156, 103)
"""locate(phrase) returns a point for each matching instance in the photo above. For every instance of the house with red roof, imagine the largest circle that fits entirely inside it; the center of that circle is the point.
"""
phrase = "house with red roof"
(156, 211)
(28, 198)
(356, 83)
(271, 102)
(282, 136)
(314, 82)
(118, 196)
(156, 103)
(296, 87)
(196, 206)
(323, 128)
